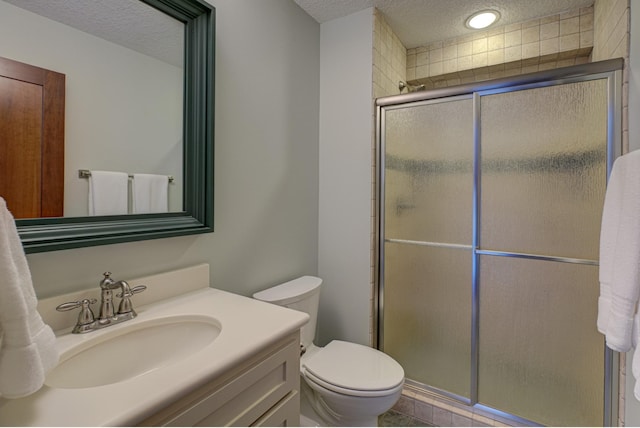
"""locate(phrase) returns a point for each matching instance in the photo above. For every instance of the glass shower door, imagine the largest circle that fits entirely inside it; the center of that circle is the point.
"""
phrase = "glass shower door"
(543, 173)
(490, 217)
(428, 235)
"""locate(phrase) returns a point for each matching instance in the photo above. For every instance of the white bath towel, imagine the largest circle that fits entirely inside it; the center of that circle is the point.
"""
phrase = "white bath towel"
(108, 193)
(620, 253)
(28, 346)
(150, 193)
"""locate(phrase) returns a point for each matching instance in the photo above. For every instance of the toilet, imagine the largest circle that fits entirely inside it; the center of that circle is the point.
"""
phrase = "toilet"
(343, 383)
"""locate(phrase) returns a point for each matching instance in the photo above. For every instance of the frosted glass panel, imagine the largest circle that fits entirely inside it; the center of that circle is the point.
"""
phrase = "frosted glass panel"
(543, 163)
(427, 314)
(540, 355)
(429, 172)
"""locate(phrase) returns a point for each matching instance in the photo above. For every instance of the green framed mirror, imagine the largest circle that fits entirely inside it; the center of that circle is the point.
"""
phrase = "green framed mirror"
(51, 234)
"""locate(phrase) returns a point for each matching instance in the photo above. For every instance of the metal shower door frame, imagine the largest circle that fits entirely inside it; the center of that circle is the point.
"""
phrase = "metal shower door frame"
(611, 70)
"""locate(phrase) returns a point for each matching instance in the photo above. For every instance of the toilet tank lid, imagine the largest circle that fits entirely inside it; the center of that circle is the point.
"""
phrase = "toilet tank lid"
(291, 291)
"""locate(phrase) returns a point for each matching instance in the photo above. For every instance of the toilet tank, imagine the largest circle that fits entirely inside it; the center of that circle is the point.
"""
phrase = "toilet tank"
(301, 294)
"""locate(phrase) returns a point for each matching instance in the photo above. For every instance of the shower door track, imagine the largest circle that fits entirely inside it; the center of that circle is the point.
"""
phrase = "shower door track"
(610, 70)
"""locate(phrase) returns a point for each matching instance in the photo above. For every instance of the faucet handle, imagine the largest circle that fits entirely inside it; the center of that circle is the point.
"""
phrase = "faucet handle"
(85, 317)
(126, 308)
(135, 290)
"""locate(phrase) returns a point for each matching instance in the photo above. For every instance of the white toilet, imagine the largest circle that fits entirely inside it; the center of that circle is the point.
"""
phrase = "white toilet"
(345, 384)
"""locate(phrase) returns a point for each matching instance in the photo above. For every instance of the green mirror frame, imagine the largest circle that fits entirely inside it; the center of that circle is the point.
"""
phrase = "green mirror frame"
(60, 233)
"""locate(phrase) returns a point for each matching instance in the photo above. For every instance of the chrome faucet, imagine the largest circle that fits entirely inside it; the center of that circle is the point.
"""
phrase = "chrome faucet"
(107, 316)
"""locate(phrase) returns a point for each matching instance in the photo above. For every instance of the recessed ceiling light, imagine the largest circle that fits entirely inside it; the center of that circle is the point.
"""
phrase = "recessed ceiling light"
(482, 19)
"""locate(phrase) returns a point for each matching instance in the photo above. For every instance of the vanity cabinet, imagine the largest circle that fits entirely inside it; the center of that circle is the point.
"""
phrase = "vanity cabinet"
(261, 391)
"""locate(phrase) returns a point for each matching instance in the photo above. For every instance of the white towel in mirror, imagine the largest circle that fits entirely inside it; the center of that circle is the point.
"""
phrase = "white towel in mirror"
(150, 193)
(108, 193)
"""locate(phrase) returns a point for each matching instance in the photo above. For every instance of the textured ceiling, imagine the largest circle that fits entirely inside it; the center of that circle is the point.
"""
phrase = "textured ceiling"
(129, 23)
(418, 22)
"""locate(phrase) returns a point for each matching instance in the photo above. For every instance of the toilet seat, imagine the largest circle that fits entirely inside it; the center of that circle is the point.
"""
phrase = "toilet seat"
(353, 369)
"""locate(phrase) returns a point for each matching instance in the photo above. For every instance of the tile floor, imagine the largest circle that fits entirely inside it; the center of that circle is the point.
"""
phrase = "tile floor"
(396, 419)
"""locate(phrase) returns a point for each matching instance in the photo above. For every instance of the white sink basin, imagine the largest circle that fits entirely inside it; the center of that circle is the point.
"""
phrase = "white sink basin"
(131, 350)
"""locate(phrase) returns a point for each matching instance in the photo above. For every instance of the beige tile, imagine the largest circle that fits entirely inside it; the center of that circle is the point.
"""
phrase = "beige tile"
(424, 412)
(549, 46)
(566, 62)
(586, 39)
(513, 53)
(465, 62)
(450, 52)
(405, 405)
(531, 34)
(512, 27)
(479, 60)
(435, 69)
(549, 19)
(495, 57)
(586, 22)
(550, 65)
(479, 46)
(531, 23)
(422, 58)
(454, 81)
(531, 50)
(465, 49)
(569, 26)
(442, 418)
(435, 45)
(440, 84)
(411, 60)
(495, 42)
(450, 65)
(512, 38)
(550, 30)
(460, 421)
(422, 71)
(569, 42)
(435, 55)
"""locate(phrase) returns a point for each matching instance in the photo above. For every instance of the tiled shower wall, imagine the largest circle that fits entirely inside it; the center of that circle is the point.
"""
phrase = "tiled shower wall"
(389, 58)
(539, 44)
(601, 31)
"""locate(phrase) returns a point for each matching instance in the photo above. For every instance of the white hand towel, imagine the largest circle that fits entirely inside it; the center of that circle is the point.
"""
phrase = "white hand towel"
(150, 193)
(28, 347)
(108, 193)
(620, 253)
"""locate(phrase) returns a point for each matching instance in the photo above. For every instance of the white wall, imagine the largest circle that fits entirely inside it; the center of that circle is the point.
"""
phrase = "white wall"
(102, 132)
(266, 165)
(346, 124)
(632, 406)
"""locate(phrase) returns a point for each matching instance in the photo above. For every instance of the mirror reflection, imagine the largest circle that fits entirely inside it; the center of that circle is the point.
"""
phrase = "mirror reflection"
(123, 97)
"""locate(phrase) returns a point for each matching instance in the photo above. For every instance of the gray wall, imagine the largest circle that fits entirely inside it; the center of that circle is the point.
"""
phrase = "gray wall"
(266, 165)
(346, 126)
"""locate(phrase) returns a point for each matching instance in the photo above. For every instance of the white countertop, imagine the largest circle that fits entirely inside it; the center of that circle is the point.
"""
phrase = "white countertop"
(248, 325)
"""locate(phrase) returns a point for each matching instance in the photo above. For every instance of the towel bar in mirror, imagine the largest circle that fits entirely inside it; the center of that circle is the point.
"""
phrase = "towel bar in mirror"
(196, 216)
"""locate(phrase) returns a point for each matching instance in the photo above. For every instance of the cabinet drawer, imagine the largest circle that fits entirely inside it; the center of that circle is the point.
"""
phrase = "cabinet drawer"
(284, 414)
(241, 396)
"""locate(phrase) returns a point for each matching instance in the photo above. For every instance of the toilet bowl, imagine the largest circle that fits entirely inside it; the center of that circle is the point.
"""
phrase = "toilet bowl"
(345, 384)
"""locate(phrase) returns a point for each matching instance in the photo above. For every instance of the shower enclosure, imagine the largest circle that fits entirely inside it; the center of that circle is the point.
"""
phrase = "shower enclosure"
(490, 200)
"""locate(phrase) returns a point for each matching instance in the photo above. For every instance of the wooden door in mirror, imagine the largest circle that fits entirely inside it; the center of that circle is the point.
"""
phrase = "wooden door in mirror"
(31, 139)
